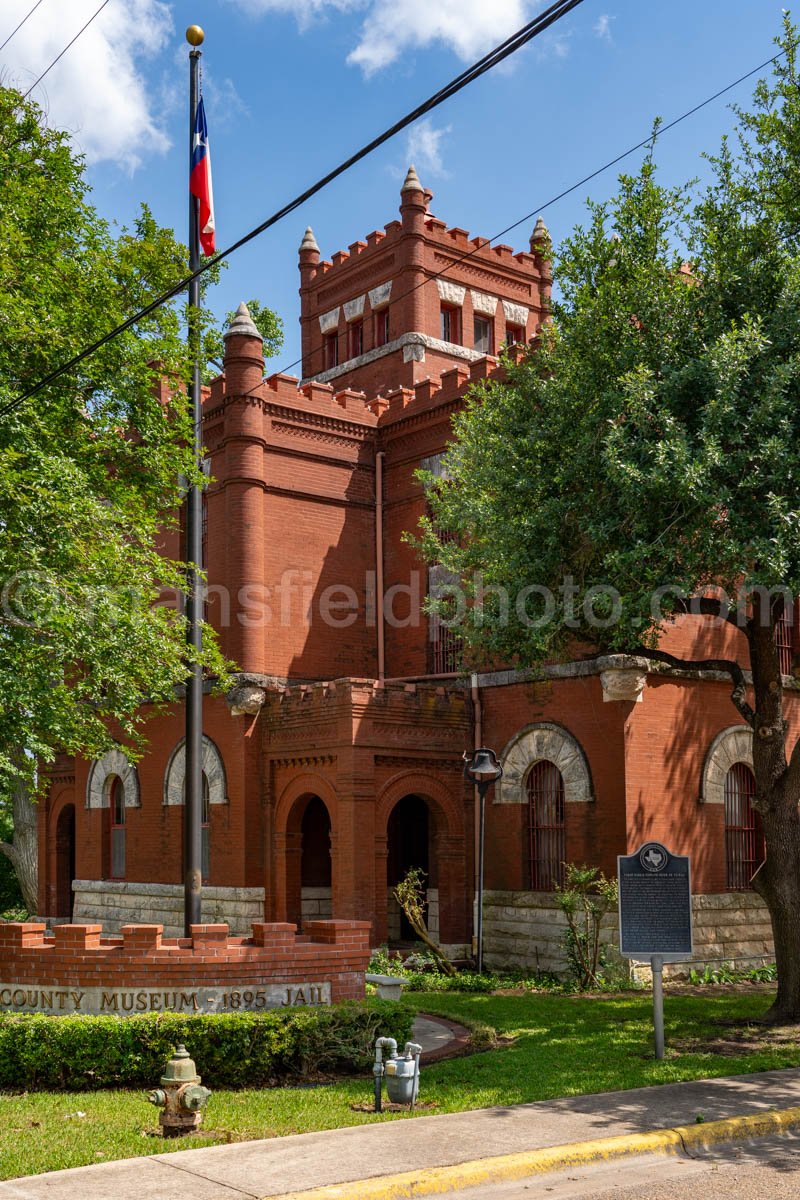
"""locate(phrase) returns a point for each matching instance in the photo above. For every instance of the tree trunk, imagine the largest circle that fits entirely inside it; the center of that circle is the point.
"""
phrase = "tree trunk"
(780, 888)
(776, 800)
(23, 851)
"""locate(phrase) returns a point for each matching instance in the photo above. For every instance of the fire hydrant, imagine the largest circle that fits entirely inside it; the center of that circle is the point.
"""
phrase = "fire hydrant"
(180, 1096)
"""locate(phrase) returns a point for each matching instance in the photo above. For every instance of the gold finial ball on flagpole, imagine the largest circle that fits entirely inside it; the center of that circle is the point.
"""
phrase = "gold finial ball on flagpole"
(195, 35)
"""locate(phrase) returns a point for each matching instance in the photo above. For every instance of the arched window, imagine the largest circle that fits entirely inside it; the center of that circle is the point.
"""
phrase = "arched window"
(205, 827)
(744, 840)
(546, 826)
(205, 831)
(116, 805)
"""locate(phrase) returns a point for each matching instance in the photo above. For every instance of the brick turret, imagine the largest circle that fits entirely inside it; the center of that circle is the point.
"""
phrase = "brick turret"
(244, 354)
(413, 211)
(415, 300)
(243, 486)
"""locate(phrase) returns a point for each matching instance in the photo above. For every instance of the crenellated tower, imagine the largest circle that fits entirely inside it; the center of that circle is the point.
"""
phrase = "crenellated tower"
(416, 299)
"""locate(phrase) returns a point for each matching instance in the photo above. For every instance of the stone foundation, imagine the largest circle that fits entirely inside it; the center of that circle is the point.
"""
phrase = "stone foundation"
(456, 950)
(315, 902)
(393, 915)
(525, 931)
(114, 903)
(76, 969)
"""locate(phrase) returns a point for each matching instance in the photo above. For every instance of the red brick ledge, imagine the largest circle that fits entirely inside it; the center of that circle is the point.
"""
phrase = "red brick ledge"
(80, 956)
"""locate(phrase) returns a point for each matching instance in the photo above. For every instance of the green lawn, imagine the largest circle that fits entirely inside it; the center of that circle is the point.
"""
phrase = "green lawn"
(564, 1045)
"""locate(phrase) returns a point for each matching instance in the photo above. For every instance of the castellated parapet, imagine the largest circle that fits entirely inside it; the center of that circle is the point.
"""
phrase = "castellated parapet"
(408, 301)
(76, 969)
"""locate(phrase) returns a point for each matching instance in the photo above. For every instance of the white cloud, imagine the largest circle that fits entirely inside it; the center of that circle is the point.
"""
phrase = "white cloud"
(223, 103)
(96, 91)
(602, 27)
(468, 27)
(391, 28)
(304, 10)
(423, 148)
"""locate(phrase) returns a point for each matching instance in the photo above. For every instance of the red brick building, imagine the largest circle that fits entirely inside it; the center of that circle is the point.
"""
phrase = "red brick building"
(336, 762)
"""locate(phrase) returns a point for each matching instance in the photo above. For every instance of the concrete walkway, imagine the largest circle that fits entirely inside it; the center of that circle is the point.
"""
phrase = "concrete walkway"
(279, 1166)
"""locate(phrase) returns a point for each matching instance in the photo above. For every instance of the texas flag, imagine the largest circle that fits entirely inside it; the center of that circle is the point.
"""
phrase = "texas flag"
(200, 179)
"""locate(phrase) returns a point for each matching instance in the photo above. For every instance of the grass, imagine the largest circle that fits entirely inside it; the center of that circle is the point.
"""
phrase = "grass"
(562, 1046)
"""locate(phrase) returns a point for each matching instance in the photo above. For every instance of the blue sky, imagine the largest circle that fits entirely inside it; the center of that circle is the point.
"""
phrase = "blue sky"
(293, 86)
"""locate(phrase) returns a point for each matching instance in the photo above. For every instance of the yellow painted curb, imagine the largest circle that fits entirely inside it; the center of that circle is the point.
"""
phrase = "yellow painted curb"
(435, 1181)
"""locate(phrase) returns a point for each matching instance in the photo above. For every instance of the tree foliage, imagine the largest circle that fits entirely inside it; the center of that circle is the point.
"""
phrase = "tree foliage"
(646, 451)
(92, 469)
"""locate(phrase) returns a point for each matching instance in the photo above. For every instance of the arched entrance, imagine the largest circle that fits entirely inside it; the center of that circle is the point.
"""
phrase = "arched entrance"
(316, 872)
(309, 868)
(65, 860)
(410, 839)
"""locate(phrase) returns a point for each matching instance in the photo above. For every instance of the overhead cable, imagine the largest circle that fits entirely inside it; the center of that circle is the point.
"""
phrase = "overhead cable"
(517, 40)
(58, 57)
(612, 162)
(16, 28)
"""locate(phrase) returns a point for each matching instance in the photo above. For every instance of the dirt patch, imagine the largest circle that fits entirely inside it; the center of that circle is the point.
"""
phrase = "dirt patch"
(388, 1106)
(678, 988)
(739, 1041)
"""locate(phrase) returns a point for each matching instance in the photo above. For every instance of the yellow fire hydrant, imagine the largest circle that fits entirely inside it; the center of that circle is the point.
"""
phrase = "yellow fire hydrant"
(180, 1096)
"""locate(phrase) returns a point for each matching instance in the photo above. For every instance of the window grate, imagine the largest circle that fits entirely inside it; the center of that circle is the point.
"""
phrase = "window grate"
(447, 648)
(117, 832)
(547, 841)
(784, 641)
(744, 840)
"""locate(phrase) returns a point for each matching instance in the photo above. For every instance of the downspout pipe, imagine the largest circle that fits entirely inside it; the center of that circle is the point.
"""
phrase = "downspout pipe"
(379, 599)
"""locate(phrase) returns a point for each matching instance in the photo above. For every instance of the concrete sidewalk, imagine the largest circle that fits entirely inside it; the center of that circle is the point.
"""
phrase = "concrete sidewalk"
(282, 1165)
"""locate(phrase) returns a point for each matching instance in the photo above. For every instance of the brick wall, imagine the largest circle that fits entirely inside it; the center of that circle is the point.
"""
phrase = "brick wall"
(80, 957)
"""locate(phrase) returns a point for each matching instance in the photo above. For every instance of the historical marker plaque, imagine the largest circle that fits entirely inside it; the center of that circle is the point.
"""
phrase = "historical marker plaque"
(655, 904)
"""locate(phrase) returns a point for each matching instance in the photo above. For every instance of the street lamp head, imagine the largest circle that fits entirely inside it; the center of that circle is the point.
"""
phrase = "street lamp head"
(482, 767)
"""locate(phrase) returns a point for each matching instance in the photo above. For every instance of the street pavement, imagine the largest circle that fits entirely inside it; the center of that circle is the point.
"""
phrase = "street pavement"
(767, 1169)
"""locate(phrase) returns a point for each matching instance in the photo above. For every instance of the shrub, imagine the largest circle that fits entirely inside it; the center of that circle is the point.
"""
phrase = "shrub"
(384, 962)
(233, 1050)
(585, 898)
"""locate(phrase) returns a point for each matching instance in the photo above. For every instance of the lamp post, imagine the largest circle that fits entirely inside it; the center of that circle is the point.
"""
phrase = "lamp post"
(482, 769)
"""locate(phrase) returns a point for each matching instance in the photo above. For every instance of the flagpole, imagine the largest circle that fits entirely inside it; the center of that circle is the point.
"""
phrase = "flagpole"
(193, 810)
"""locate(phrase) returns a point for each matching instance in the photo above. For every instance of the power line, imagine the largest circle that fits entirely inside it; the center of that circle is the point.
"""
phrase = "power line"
(517, 40)
(573, 187)
(22, 22)
(58, 57)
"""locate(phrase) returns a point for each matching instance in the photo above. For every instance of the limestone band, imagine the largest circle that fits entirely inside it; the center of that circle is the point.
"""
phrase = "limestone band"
(63, 1001)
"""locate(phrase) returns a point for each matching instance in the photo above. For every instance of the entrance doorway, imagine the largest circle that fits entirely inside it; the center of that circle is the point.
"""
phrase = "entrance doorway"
(309, 861)
(409, 834)
(65, 861)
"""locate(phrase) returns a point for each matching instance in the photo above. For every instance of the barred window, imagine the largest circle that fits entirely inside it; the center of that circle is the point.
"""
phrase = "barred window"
(784, 640)
(116, 796)
(445, 640)
(744, 839)
(205, 831)
(547, 846)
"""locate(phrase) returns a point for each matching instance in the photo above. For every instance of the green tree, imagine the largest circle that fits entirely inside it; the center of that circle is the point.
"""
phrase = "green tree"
(91, 471)
(651, 441)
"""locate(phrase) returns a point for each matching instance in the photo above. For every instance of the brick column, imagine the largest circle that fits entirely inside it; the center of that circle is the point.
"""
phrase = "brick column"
(244, 641)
